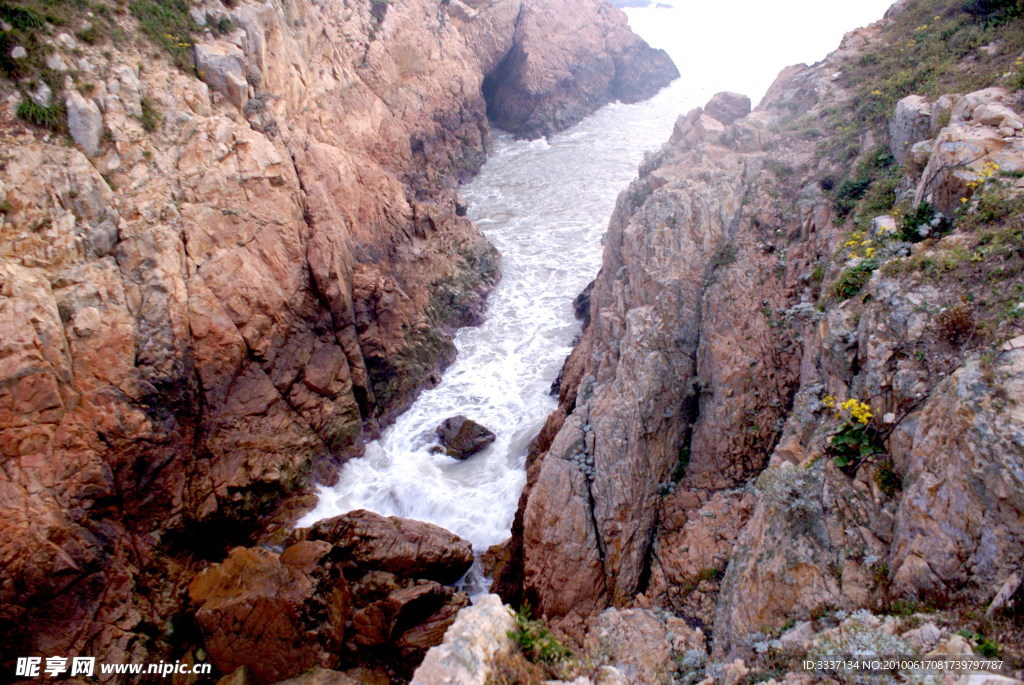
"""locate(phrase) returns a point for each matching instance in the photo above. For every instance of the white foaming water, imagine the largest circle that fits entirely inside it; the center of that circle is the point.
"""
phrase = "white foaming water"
(545, 205)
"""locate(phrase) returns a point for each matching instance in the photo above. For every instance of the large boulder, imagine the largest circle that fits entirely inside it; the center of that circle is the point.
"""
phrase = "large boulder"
(222, 65)
(728, 107)
(256, 604)
(85, 122)
(462, 438)
(466, 657)
(413, 618)
(406, 548)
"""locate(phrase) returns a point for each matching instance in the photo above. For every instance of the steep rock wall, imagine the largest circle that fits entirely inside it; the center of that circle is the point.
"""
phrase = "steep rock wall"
(229, 284)
(695, 461)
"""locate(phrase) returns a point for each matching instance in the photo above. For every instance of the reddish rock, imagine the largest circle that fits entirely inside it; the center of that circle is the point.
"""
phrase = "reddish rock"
(201, 316)
(411, 549)
(413, 619)
(271, 617)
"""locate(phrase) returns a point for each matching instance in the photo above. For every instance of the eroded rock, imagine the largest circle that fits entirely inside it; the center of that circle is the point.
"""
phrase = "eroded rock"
(461, 438)
(412, 549)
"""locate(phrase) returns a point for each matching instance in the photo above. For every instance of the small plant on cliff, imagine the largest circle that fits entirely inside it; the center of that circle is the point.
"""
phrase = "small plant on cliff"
(52, 117)
(790, 489)
(537, 643)
(886, 477)
(170, 25)
(853, 279)
(982, 645)
(855, 440)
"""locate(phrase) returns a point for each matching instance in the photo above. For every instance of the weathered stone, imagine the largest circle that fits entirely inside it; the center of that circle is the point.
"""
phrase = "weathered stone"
(559, 69)
(222, 65)
(413, 618)
(911, 123)
(411, 549)
(257, 612)
(85, 123)
(238, 303)
(461, 438)
(320, 676)
(466, 657)
(727, 107)
(642, 644)
(42, 95)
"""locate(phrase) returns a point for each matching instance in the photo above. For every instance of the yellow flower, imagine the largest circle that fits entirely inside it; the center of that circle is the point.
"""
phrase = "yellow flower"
(869, 252)
(829, 401)
(876, 92)
(860, 411)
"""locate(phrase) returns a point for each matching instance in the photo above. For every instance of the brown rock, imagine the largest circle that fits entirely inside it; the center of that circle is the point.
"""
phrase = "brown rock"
(561, 67)
(728, 107)
(257, 612)
(410, 549)
(320, 676)
(461, 438)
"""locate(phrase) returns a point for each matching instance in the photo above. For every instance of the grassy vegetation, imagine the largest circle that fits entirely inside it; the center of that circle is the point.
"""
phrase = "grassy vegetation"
(169, 24)
(53, 117)
(924, 52)
(853, 279)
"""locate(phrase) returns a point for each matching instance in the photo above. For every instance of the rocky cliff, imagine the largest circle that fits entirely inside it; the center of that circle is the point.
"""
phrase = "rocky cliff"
(798, 392)
(231, 249)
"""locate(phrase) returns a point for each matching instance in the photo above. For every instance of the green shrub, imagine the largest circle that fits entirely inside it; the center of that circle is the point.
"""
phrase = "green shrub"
(854, 443)
(886, 478)
(150, 115)
(852, 280)
(984, 646)
(535, 640)
(170, 25)
(994, 10)
(848, 193)
(53, 117)
(92, 34)
(918, 224)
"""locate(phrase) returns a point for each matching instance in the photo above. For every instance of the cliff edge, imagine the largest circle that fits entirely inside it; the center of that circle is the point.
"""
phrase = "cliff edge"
(798, 393)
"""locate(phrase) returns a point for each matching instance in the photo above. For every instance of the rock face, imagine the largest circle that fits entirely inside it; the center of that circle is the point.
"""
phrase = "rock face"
(357, 592)
(461, 438)
(728, 107)
(401, 546)
(240, 279)
(466, 656)
(567, 63)
(698, 461)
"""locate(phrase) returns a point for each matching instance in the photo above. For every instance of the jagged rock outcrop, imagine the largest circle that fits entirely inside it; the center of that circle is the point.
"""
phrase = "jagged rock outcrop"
(229, 283)
(471, 645)
(565, 64)
(355, 591)
(798, 387)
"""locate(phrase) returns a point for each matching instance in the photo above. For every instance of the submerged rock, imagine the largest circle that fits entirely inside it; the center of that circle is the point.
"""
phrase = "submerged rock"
(461, 438)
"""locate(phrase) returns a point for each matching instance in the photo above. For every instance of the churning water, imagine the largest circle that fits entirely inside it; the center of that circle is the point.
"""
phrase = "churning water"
(545, 205)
